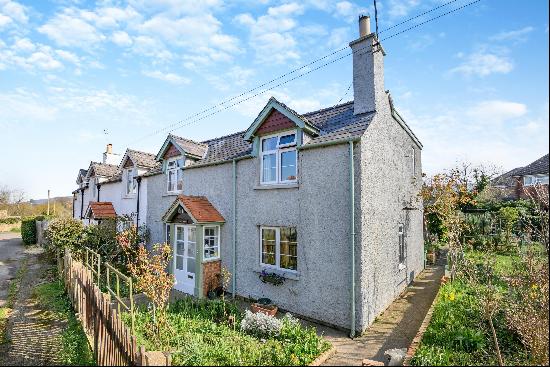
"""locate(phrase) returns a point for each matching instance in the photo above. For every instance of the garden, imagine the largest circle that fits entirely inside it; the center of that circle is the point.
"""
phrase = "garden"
(492, 308)
(219, 331)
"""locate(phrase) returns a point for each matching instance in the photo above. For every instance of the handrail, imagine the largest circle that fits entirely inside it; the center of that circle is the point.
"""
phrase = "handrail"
(116, 292)
(95, 267)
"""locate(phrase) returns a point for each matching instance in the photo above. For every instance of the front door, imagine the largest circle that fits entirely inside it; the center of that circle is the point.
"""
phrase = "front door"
(184, 258)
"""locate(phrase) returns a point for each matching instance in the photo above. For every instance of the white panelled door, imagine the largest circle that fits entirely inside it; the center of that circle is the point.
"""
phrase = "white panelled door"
(185, 244)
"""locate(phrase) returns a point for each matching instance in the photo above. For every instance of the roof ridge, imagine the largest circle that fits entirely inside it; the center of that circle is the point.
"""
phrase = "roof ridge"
(224, 136)
(140, 151)
(328, 108)
(186, 139)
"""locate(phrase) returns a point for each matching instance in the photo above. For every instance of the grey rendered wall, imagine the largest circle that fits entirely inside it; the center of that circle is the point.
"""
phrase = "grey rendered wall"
(387, 186)
(318, 208)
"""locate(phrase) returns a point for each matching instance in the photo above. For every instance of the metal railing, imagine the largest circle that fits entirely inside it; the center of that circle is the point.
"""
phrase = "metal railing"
(127, 281)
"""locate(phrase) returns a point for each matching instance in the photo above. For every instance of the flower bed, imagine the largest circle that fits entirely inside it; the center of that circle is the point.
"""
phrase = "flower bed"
(204, 332)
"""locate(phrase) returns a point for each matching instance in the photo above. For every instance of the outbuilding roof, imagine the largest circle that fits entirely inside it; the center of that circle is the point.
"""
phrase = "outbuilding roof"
(199, 209)
(100, 210)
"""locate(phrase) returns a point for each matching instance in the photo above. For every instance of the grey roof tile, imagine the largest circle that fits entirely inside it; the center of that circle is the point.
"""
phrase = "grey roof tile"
(540, 166)
(190, 146)
(142, 159)
(103, 169)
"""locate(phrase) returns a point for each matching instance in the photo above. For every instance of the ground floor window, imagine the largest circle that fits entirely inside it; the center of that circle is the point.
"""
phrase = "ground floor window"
(401, 233)
(279, 247)
(211, 242)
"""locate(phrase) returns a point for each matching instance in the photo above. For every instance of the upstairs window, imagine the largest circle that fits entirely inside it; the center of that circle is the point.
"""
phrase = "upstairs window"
(533, 180)
(278, 159)
(174, 175)
(131, 184)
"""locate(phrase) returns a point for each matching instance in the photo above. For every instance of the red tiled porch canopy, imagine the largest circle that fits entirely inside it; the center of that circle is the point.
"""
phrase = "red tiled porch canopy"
(100, 210)
(198, 208)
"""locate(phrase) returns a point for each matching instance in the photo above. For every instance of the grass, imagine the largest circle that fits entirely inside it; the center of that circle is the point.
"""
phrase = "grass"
(13, 291)
(198, 333)
(75, 348)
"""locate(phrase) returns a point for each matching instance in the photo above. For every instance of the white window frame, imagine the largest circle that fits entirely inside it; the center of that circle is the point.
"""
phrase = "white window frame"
(175, 170)
(277, 250)
(134, 183)
(278, 152)
(535, 179)
(218, 242)
(401, 243)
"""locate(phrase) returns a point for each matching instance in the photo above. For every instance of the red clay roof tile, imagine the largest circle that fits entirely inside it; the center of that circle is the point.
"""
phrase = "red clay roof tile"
(200, 208)
(101, 210)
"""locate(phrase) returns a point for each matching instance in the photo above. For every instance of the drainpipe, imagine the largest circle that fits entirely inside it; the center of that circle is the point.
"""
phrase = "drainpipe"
(352, 213)
(98, 190)
(74, 198)
(81, 203)
(234, 222)
(138, 179)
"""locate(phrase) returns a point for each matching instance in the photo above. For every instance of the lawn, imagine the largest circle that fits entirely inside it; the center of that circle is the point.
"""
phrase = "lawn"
(199, 332)
(459, 335)
(75, 348)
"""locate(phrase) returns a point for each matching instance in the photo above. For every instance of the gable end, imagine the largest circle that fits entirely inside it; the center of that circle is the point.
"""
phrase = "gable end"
(274, 122)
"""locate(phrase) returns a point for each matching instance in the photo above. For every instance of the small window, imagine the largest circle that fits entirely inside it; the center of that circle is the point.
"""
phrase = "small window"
(131, 184)
(401, 233)
(174, 175)
(211, 242)
(279, 248)
(278, 159)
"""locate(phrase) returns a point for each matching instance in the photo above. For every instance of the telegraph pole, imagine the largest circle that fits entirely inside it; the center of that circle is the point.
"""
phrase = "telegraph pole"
(48, 202)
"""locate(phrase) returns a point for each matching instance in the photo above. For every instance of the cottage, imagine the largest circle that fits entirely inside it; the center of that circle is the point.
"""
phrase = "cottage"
(327, 199)
(516, 183)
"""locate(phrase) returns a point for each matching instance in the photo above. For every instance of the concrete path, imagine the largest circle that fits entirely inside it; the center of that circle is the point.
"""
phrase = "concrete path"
(11, 254)
(395, 328)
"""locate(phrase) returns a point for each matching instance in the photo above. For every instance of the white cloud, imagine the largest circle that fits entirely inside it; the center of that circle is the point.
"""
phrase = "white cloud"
(121, 38)
(484, 63)
(4, 20)
(234, 77)
(401, 8)
(23, 45)
(67, 29)
(68, 56)
(518, 35)
(22, 106)
(497, 111)
(148, 46)
(167, 77)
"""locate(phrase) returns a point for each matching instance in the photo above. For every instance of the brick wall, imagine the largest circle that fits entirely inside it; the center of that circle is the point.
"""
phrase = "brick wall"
(210, 280)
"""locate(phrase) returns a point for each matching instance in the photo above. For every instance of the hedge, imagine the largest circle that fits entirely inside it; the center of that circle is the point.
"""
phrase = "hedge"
(28, 229)
(10, 220)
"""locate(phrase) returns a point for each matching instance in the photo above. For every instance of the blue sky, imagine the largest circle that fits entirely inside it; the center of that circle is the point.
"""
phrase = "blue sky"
(75, 75)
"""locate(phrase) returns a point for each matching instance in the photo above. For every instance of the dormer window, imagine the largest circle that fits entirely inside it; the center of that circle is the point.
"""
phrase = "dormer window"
(174, 175)
(278, 159)
(131, 184)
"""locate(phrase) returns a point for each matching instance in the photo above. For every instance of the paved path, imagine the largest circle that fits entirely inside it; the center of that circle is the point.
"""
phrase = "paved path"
(11, 254)
(395, 328)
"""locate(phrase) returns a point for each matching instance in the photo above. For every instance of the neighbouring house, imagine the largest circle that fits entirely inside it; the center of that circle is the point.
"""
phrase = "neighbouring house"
(327, 199)
(517, 181)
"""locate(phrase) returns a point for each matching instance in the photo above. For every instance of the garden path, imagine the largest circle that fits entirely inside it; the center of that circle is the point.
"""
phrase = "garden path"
(34, 335)
(394, 328)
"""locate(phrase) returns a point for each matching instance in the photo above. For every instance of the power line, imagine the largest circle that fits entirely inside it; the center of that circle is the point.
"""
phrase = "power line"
(418, 16)
(182, 123)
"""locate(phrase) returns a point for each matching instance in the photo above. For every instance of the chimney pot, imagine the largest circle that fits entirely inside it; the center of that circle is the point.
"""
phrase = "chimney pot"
(364, 25)
(109, 149)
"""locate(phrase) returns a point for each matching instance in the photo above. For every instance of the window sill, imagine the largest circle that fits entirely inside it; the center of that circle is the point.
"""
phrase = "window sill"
(401, 267)
(129, 196)
(211, 260)
(172, 193)
(277, 186)
(291, 275)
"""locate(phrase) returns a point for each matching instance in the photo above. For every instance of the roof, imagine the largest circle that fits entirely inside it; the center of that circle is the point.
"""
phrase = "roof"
(190, 146)
(102, 169)
(198, 207)
(140, 159)
(506, 179)
(100, 210)
(540, 166)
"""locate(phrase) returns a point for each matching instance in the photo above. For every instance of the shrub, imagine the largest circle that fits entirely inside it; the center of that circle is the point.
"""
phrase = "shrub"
(28, 229)
(10, 220)
(261, 325)
(65, 233)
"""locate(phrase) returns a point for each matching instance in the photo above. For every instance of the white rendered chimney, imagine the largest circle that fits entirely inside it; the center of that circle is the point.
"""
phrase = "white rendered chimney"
(368, 69)
(109, 157)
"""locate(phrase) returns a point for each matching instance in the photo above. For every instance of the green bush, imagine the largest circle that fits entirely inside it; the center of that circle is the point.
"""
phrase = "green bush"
(28, 229)
(10, 220)
(65, 233)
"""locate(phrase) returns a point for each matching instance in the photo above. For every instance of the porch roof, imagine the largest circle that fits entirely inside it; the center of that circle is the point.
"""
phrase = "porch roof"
(199, 209)
(100, 210)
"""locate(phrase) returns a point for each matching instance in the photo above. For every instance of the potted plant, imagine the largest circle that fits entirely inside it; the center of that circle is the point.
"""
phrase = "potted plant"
(431, 252)
(271, 278)
(264, 305)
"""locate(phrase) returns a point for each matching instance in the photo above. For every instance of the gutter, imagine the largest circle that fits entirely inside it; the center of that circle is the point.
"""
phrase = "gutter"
(138, 179)
(350, 141)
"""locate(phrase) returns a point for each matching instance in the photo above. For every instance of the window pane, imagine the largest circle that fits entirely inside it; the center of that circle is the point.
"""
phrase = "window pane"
(179, 233)
(288, 248)
(190, 265)
(269, 168)
(180, 163)
(180, 248)
(268, 246)
(269, 144)
(171, 164)
(171, 180)
(180, 179)
(287, 139)
(191, 234)
(288, 165)
(179, 262)
(191, 250)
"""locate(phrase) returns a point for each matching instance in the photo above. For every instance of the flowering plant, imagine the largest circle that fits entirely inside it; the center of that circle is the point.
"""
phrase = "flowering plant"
(272, 278)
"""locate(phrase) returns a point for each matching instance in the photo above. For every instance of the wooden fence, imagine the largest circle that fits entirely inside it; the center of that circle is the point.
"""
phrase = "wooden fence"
(112, 342)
